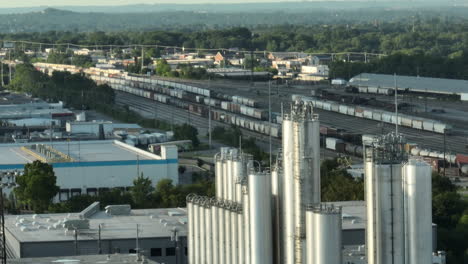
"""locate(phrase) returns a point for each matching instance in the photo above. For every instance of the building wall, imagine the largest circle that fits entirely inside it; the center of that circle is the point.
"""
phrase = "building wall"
(108, 246)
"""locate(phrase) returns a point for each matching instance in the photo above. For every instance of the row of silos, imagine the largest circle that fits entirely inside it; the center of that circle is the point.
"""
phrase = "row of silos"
(398, 199)
(230, 167)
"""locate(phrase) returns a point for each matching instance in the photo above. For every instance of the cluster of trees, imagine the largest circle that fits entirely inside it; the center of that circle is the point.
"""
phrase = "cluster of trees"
(337, 184)
(450, 213)
(182, 71)
(437, 37)
(454, 66)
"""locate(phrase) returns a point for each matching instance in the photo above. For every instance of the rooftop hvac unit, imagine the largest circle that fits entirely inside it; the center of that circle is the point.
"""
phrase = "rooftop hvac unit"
(123, 209)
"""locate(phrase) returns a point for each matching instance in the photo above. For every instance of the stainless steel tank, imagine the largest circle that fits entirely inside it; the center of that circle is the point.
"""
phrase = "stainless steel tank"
(276, 212)
(190, 235)
(219, 176)
(215, 221)
(418, 212)
(196, 232)
(234, 236)
(202, 230)
(230, 179)
(260, 218)
(240, 238)
(225, 180)
(208, 233)
(222, 231)
(324, 235)
(288, 191)
(384, 188)
(227, 232)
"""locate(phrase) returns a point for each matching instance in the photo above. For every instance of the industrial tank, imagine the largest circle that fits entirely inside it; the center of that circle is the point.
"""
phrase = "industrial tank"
(384, 197)
(246, 215)
(288, 191)
(260, 218)
(191, 221)
(418, 212)
(219, 176)
(324, 235)
(215, 230)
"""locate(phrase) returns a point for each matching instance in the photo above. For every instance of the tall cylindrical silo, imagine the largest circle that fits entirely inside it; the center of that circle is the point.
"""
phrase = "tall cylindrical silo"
(202, 230)
(225, 180)
(260, 218)
(240, 238)
(288, 191)
(228, 232)
(384, 187)
(418, 212)
(230, 179)
(190, 236)
(234, 236)
(219, 176)
(276, 212)
(222, 232)
(215, 230)
(209, 233)
(324, 235)
(246, 222)
(196, 231)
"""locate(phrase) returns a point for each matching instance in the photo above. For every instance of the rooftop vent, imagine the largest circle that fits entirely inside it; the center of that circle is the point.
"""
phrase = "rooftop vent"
(90, 210)
(175, 213)
(123, 209)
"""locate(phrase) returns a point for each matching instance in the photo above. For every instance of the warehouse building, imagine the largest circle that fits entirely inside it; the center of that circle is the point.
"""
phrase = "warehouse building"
(89, 167)
(155, 234)
(385, 84)
(92, 127)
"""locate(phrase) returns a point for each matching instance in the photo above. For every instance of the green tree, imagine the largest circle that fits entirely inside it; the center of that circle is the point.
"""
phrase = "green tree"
(141, 191)
(37, 186)
(187, 131)
(337, 184)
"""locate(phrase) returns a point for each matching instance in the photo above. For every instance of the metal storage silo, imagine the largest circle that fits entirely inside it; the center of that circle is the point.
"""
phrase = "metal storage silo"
(234, 234)
(215, 230)
(418, 211)
(276, 212)
(221, 232)
(225, 179)
(324, 235)
(260, 218)
(202, 229)
(191, 221)
(288, 191)
(227, 232)
(241, 232)
(208, 233)
(219, 176)
(196, 231)
(229, 179)
(384, 191)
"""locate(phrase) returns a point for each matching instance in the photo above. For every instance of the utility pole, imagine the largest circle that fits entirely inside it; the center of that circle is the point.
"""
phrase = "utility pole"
(269, 121)
(445, 145)
(396, 104)
(209, 115)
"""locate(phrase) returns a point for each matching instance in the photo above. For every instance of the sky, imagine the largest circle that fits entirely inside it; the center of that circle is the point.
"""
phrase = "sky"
(32, 3)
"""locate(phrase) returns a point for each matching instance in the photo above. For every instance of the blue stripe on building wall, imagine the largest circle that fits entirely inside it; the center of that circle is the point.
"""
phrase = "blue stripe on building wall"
(96, 164)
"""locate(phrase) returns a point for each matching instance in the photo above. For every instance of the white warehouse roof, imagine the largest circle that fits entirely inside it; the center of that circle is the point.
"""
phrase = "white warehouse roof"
(413, 83)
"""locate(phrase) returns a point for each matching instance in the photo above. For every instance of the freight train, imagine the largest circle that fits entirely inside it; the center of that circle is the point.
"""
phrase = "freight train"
(378, 115)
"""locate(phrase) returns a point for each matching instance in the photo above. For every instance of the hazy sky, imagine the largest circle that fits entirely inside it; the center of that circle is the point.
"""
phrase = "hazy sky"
(31, 3)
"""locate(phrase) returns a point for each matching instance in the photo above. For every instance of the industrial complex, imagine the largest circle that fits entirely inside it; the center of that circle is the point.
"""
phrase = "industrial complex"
(276, 216)
(88, 167)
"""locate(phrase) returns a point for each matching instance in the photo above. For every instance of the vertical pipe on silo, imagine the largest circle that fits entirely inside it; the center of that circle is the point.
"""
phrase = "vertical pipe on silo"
(418, 212)
(260, 218)
(215, 229)
(288, 191)
(246, 222)
(324, 235)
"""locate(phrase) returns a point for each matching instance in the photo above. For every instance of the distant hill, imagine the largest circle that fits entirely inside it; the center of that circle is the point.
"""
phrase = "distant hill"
(167, 17)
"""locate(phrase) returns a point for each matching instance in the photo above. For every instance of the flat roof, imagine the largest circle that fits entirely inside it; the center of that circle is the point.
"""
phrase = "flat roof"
(353, 214)
(84, 259)
(79, 151)
(413, 83)
(152, 223)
